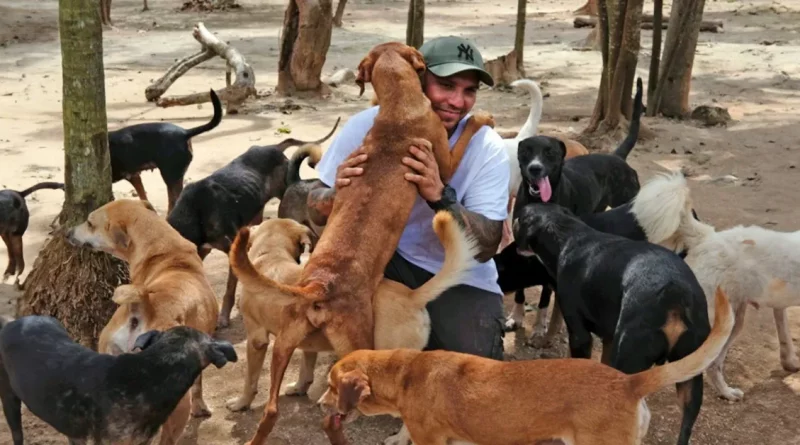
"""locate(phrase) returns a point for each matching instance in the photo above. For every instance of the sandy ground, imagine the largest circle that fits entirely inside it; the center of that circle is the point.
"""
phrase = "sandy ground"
(751, 69)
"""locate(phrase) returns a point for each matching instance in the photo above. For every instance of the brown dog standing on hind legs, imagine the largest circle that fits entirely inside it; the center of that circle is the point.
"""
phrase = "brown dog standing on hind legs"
(168, 287)
(367, 219)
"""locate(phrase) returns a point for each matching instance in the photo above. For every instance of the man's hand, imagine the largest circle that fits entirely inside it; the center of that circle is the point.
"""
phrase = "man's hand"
(426, 173)
(352, 166)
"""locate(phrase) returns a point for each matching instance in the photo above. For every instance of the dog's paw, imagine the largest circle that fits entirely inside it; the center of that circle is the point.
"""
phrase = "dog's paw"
(401, 438)
(732, 394)
(511, 324)
(200, 410)
(540, 340)
(223, 321)
(238, 404)
(791, 364)
(298, 388)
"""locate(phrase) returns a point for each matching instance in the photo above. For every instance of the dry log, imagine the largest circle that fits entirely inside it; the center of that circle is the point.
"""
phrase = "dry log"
(647, 23)
(503, 69)
(232, 95)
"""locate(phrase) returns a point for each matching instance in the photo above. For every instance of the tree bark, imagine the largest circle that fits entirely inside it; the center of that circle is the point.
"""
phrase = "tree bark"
(306, 37)
(519, 37)
(655, 57)
(415, 29)
(72, 284)
(337, 18)
(674, 78)
(620, 22)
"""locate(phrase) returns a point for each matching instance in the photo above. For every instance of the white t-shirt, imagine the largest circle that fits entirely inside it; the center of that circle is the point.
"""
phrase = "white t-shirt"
(480, 182)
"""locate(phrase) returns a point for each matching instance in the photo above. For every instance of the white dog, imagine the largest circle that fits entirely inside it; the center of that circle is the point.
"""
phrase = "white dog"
(751, 264)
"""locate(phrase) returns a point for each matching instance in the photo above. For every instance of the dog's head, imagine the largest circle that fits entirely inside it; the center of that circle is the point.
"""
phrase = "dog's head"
(540, 222)
(183, 340)
(106, 228)
(286, 235)
(409, 53)
(347, 389)
(541, 159)
(515, 272)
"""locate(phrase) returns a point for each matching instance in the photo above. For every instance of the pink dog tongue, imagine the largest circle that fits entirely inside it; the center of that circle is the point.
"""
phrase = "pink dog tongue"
(545, 192)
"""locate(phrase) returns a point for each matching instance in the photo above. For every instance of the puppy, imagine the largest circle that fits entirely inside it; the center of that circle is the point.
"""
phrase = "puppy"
(160, 145)
(14, 217)
(641, 299)
(565, 401)
(401, 319)
(753, 265)
(211, 210)
(168, 286)
(585, 184)
(94, 397)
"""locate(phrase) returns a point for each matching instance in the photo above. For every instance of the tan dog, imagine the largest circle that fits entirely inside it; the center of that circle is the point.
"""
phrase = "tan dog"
(401, 319)
(168, 287)
(564, 401)
(342, 275)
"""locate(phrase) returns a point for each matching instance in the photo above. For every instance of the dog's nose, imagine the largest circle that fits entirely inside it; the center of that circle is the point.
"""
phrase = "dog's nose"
(535, 169)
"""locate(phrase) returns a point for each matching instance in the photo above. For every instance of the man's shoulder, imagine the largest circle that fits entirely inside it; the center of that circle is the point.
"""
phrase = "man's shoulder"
(490, 142)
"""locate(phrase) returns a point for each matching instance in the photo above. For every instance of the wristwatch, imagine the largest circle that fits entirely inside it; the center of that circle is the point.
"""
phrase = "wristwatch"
(448, 199)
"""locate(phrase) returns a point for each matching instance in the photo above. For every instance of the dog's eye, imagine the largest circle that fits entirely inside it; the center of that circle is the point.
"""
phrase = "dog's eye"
(89, 224)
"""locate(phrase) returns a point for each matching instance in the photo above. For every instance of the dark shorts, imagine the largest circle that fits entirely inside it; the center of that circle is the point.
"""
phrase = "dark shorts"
(463, 318)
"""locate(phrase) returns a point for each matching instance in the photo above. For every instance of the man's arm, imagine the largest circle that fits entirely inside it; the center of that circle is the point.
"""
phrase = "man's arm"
(485, 231)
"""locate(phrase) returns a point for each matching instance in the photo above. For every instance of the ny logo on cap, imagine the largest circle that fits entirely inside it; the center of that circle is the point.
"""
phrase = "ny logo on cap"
(466, 50)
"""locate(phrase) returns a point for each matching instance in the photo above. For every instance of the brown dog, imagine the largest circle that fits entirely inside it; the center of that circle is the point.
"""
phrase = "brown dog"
(334, 293)
(564, 401)
(168, 287)
(401, 319)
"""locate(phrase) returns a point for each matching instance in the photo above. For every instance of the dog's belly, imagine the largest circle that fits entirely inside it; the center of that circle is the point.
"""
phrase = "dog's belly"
(779, 294)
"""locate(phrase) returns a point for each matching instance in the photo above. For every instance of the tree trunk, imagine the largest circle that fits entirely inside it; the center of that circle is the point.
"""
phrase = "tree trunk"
(306, 37)
(415, 29)
(337, 18)
(73, 284)
(620, 22)
(655, 57)
(519, 38)
(674, 78)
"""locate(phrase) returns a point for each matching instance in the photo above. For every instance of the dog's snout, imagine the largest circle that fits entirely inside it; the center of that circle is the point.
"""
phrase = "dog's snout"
(535, 169)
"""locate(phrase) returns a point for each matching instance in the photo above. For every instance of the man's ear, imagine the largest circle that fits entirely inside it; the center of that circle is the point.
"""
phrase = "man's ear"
(353, 389)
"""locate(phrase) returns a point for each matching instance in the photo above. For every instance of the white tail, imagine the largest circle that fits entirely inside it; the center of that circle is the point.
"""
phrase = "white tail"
(535, 115)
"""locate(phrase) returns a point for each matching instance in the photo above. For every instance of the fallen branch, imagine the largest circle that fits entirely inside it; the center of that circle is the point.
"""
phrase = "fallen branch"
(232, 95)
(647, 23)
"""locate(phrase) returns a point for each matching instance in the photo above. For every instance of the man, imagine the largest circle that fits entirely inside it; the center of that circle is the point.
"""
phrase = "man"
(469, 317)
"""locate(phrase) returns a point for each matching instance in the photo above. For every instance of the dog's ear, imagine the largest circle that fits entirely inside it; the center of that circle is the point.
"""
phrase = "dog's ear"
(147, 339)
(221, 352)
(148, 206)
(563, 147)
(119, 236)
(415, 58)
(353, 389)
(365, 72)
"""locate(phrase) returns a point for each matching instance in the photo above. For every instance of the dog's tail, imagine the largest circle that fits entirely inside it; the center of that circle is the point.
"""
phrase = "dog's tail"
(650, 381)
(215, 120)
(292, 142)
(629, 142)
(246, 272)
(42, 185)
(663, 208)
(311, 151)
(535, 115)
(459, 252)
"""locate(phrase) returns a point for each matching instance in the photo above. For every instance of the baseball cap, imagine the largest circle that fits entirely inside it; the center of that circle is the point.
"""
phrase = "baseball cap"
(445, 56)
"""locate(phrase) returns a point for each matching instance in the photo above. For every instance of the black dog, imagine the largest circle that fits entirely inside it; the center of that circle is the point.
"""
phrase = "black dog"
(14, 217)
(160, 145)
(211, 211)
(641, 299)
(584, 184)
(90, 396)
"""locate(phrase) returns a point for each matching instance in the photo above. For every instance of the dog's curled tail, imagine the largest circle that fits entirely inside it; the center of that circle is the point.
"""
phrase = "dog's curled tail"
(311, 151)
(535, 114)
(42, 185)
(246, 272)
(629, 142)
(459, 252)
(215, 120)
(650, 381)
(292, 142)
(663, 208)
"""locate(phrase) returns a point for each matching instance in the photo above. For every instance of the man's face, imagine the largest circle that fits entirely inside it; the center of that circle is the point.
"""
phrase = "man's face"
(452, 97)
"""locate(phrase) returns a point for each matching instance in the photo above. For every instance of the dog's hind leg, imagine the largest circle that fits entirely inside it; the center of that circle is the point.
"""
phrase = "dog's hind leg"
(174, 190)
(199, 407)
(136, 182)
(256, 353)
(12, 408)
(788, 354)
(12, 259)
(19, 255)
(172, 429)
(539, 337)
(228, 300)
(716, 370)
(517, 315)
(306, 377)
(690, 398)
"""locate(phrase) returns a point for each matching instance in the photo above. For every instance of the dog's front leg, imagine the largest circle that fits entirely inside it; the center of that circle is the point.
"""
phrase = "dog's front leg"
(228, 300)
(788, 354)
(199, 407)
(306, 377)
(172, 429)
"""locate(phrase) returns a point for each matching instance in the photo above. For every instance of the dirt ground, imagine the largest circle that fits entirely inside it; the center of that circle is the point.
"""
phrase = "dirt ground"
(744, 174)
